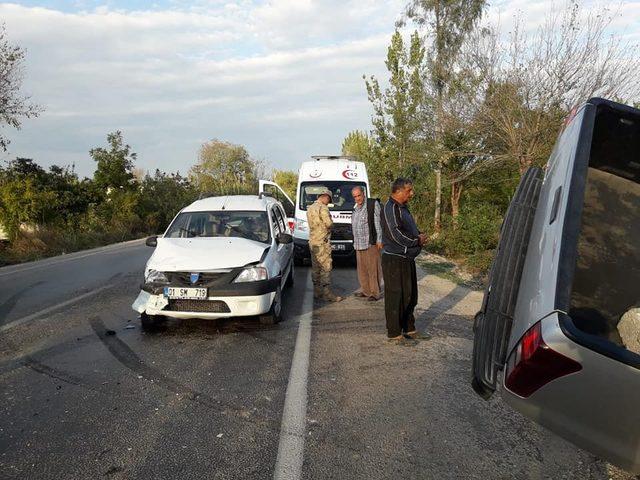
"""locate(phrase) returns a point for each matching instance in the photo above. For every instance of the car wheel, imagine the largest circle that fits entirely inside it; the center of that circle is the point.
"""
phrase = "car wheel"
(290, 280)
(492, 325)
(151, 322)
(274, 315)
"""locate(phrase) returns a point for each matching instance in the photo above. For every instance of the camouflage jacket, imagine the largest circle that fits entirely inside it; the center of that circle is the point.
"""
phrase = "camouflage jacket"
(320, 223)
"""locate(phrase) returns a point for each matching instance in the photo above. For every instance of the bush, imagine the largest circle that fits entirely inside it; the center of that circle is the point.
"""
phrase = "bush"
(478, 264)
(477, 230)
(472, 239)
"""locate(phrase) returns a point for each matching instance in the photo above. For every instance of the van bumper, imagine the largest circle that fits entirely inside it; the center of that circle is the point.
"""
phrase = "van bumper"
(301, 249)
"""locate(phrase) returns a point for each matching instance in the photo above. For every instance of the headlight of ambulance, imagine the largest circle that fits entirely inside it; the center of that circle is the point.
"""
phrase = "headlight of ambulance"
(252, 274)
(154, 276)
(302, 225)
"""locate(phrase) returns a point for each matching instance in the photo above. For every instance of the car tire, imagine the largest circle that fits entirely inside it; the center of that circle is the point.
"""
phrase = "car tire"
(492, 324)
(274, 315)
(151, 323)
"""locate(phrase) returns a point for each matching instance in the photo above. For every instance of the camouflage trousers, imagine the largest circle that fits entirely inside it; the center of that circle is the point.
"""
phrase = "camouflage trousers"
(321, 269)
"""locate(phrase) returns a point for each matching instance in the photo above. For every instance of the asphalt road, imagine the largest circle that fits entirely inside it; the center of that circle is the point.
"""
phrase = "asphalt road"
(85, 393)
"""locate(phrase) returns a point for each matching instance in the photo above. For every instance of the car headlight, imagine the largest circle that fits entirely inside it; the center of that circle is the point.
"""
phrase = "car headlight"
(252, 274)
(302, 225)
(154, 276)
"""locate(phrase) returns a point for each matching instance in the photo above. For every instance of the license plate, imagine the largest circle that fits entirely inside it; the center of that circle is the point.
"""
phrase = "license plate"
(338, 246)
(185, 293)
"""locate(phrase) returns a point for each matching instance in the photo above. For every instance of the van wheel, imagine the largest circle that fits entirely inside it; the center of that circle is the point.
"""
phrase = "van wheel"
(492, 324)
(274, 315)
(151, 322)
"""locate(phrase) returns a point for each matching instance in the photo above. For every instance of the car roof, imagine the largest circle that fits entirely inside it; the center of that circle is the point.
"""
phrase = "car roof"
(249, 203)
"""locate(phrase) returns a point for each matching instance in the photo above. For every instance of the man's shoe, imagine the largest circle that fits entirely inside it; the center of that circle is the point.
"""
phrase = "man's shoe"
(416, 335)
(359, 295)
(373, 299)
(402, 341)
(330, 297)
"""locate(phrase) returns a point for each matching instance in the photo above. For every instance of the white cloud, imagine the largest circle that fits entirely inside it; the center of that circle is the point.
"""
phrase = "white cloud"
(287, 23)
(283, 78)
(177, 78)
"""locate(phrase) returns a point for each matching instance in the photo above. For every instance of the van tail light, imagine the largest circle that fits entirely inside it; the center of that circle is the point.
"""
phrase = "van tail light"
(292, 225)
(532, 364)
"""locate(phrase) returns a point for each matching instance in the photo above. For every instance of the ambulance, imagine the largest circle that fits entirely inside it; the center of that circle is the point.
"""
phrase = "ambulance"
(339, 174)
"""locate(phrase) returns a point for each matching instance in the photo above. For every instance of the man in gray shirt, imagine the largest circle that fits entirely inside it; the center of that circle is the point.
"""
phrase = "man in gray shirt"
(367, 242)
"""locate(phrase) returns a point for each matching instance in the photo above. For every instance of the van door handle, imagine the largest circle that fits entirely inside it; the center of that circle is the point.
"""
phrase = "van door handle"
(556, 205)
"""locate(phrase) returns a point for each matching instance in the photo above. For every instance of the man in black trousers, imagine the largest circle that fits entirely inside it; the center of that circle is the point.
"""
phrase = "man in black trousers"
(402, 243)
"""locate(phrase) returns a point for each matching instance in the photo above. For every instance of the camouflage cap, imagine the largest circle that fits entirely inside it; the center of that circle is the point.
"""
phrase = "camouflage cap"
(325, 191)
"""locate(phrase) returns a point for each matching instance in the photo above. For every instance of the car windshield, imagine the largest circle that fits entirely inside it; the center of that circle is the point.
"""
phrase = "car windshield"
(249, 225)
(341, 194)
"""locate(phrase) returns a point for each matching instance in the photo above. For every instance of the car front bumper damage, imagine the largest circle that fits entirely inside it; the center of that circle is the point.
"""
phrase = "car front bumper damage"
(235, 300)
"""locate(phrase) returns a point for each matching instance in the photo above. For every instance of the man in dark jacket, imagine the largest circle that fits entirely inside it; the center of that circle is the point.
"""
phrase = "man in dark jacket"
(402, 243)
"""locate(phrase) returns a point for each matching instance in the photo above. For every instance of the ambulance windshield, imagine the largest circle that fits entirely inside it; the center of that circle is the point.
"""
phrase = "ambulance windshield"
(341, 200)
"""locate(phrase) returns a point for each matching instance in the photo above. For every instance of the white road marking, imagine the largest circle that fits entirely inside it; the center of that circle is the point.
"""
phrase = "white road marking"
(294, 415)
(49, 262)
(41, 313)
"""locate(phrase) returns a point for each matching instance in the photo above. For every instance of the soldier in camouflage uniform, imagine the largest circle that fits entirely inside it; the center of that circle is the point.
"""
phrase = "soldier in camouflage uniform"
(320, 247)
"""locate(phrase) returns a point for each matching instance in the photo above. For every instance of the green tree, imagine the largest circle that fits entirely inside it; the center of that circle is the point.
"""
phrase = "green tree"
(537, 80)
(446, 23)
(288, 181)
(14, 106)
(161, 198)
(397, 128)
(25, 197)
(381, 172)
(115, 189)
(72, 196)
(114, 169)
(224, 168)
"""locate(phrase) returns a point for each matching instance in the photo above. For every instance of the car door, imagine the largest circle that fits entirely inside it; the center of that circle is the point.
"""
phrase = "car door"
(555, 360)
(274, 191)
(285, 250)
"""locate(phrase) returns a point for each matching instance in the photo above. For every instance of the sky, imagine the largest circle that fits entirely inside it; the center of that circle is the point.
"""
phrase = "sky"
(281, 77)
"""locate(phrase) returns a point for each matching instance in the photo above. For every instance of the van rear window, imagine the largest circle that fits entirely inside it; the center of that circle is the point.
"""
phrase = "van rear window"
(607, 274)
(341, 200)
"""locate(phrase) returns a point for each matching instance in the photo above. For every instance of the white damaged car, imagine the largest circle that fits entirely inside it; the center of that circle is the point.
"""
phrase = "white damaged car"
(221, 257)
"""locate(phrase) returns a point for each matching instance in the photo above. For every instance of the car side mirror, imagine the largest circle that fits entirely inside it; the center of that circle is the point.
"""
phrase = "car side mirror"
(151, 241)
(284, 238)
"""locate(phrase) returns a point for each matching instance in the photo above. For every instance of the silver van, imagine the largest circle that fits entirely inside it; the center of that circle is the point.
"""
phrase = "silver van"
(565, 278)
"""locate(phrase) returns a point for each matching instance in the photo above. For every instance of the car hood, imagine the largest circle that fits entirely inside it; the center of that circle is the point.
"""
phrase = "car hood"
(204, 254)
